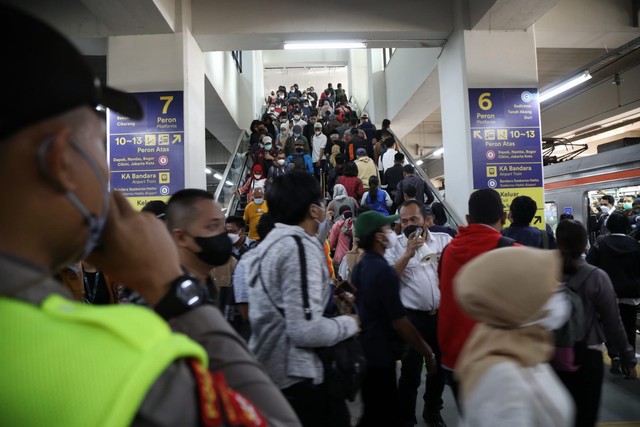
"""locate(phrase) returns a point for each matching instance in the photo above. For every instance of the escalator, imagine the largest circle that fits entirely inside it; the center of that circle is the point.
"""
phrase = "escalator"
(240, 165)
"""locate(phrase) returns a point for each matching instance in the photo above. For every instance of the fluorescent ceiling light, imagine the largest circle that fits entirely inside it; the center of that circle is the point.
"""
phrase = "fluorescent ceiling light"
(439, 151)
(208, 171)
(228, 183)
(325, 45)
(217, 176)
(419, 162)
(563, 87)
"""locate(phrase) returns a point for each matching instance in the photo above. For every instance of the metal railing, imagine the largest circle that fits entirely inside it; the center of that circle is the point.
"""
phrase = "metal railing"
(233, 175)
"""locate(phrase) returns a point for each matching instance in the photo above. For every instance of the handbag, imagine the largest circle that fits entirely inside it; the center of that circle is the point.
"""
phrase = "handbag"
(344, 363)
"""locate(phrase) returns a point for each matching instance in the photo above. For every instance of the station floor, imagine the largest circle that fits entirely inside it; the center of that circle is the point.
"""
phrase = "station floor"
(619, 407)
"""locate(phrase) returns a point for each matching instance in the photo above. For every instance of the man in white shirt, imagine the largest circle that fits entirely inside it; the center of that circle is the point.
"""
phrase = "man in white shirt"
(387, 158)
(420, 296)
(318, 142)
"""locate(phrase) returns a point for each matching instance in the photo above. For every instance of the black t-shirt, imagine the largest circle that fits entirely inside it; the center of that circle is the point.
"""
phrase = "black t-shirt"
(378, 305)
(95, 289)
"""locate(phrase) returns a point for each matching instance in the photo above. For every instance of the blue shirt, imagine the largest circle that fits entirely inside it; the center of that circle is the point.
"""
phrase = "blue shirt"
(307, 161)
(529, 236)
(379, 304)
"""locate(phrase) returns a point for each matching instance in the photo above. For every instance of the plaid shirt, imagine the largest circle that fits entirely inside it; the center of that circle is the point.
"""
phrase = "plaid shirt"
(353, 185)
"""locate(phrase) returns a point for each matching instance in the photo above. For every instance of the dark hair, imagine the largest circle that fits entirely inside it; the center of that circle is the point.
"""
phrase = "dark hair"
(398, 157)
(386, 123)
(485, 207)
(523, 209)
(353, 121)
(180, 209)
(565, 216)
(410, 190)
(266, 223)
(156, 207)
(236, 220)
(350, 169)
(439, 213)
(389, 142)
(291, 195)
(374, 183)
(609, 198)
(299, 164)
(424, 210)
(366, 242)
(408, 169)
(571, 240)
(253, 125)
(340, 158)
(618, 223)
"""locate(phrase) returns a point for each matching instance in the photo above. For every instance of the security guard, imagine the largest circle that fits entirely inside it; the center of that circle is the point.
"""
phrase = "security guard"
(70, 364)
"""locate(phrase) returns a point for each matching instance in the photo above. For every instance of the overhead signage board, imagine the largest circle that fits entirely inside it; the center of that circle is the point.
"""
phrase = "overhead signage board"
(146, 157)
(506, 144)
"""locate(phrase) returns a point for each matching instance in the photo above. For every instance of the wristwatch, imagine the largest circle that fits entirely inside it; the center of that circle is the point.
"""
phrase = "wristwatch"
(185, 294)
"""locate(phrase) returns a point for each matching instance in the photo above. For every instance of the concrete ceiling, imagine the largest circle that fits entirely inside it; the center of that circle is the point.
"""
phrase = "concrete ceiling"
(569, 33)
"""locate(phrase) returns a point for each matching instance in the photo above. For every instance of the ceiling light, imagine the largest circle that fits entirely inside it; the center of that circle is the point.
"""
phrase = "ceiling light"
(564, 86)
(419, 162)
(324, 45)
(439, 151)
(208, 171)
(217, 176)
(228, 183)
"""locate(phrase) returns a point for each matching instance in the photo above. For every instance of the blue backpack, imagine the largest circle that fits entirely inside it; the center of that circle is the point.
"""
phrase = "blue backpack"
(378, 205)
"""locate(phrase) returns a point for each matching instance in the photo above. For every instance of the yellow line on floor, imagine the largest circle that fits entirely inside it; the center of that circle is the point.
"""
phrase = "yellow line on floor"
(620, 424)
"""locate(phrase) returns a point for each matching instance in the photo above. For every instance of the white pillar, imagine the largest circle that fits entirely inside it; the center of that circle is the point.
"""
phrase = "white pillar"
(478, 59)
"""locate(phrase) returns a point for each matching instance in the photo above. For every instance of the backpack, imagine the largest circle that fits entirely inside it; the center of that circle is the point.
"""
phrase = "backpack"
(571, 344)
(377, 205)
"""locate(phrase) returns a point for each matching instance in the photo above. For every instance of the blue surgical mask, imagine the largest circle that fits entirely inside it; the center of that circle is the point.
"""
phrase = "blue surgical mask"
(258, 200)
(95, 223)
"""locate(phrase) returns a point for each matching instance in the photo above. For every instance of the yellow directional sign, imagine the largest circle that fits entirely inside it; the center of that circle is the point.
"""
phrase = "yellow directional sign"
(176, 138)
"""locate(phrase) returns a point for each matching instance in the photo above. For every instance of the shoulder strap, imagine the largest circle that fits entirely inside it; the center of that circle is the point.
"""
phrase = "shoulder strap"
(303, 277)
(580, 276)
(504, 242)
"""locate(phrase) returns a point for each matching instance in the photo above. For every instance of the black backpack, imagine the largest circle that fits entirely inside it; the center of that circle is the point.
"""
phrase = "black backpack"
(571, 345)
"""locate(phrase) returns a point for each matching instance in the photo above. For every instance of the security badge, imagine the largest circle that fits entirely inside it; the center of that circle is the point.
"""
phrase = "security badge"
(218, 402)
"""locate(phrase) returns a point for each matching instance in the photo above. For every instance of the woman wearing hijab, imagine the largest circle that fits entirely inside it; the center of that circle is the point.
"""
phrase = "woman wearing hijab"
(503, 369)
(256, 179)
(341, 198)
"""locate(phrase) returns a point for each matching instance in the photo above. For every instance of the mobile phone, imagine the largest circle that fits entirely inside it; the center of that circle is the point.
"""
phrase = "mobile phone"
(418, 233)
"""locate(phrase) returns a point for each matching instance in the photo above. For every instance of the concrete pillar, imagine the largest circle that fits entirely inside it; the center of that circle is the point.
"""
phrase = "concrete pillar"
(162, 63)
(480, 59)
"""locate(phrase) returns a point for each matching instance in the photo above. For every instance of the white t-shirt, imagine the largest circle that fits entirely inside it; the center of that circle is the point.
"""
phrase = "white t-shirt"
(318, 143)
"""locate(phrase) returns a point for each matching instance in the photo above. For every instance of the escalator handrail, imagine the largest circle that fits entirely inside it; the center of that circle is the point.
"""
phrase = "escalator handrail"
(436, 193)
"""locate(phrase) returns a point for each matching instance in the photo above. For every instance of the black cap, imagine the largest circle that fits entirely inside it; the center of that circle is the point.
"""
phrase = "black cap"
(45, 75)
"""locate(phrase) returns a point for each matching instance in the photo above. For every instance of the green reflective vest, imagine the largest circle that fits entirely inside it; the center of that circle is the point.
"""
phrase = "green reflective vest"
(70, 364)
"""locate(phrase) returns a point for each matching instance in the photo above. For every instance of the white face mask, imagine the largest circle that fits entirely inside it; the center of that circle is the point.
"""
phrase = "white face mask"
(257, 175)
(318, 132)
(281, 162)
(558, 309)
(296, 117)
(233, 237)
(604, 209)
(392, 239)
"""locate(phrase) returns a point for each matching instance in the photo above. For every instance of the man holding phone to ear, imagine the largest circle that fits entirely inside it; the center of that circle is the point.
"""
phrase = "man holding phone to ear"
(420, 296)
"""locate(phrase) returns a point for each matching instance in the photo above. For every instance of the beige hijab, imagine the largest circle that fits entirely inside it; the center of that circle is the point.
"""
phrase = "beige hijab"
(505, 289)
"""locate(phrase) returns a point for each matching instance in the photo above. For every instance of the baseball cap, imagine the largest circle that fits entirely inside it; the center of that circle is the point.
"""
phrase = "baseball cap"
(48, 76)
(266, 139)
(361, 151)
(364, 116)
(370, 221)
(318, 125)
(297, 129)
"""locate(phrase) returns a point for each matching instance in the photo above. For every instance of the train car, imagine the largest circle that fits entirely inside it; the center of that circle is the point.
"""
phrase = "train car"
(575, 186)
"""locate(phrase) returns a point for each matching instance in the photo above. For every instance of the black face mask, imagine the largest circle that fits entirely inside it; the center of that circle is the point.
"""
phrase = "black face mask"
(216, 250)
(298, 150)
(410, 229)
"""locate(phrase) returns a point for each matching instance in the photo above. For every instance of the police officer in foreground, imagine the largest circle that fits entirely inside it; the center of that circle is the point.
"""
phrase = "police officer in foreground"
(67, 363)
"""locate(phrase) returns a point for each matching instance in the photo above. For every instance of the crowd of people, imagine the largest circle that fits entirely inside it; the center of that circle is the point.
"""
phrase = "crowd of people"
(236, 309)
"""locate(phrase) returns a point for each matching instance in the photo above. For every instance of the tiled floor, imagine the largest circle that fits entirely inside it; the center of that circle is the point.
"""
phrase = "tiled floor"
(620, 405)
